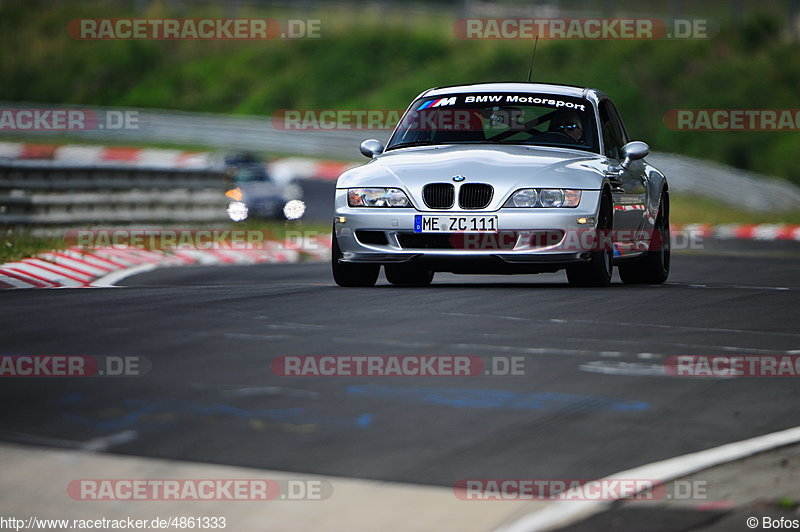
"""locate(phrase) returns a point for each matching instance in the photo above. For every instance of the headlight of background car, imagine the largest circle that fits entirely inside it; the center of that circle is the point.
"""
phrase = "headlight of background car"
(544, 197)
(377, 197)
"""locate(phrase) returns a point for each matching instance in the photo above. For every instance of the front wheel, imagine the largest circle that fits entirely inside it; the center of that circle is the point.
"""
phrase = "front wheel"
(597, 271)
(653, 268)
(351, 275)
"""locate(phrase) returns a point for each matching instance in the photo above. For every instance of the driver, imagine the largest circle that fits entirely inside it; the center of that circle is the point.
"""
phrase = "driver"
(569, 123)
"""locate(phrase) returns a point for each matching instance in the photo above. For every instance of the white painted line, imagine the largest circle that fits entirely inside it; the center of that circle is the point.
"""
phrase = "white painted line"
(738, 287)
(563, 513)
(526, 350)
(248, 336)
(94, 445)
(269, 390)
(114, 277)
(668, 327)
(638, 369)
(106, 442)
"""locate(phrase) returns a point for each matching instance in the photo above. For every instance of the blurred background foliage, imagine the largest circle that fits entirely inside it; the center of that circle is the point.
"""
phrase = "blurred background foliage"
(380, 55)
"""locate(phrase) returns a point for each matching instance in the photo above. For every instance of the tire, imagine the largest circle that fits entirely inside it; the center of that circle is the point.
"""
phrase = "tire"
(351, 275)
(405, 275)
(653, 268)
(598, 270)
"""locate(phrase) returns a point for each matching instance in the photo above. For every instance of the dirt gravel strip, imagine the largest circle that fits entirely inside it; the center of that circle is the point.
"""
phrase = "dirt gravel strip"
(35, 483)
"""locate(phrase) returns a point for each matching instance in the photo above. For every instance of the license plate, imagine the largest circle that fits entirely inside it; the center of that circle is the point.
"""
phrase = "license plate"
(455, 224)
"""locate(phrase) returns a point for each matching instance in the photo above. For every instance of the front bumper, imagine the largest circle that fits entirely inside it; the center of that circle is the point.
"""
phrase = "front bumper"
(528, 239)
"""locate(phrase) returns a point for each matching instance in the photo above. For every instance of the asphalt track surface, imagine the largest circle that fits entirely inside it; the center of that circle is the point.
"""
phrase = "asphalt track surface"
(210, 333)
(592, 401)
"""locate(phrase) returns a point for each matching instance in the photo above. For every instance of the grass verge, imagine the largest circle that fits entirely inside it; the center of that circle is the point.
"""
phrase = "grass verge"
(685, 209)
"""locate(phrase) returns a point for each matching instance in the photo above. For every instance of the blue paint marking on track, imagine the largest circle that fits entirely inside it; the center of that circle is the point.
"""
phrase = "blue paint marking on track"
(137, 409)
(496, 399)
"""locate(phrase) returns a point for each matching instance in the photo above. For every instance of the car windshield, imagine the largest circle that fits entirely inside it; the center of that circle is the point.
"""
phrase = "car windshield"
(498, 118)
(250, 173)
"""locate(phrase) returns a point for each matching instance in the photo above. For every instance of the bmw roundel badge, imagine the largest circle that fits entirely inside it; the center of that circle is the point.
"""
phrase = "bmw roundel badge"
(458, 178)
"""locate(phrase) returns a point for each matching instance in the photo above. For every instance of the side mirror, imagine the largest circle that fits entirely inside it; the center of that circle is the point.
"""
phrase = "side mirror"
(371, 148)
(633, 151)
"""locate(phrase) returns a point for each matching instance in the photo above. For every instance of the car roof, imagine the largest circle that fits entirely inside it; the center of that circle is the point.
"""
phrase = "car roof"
(515, 86)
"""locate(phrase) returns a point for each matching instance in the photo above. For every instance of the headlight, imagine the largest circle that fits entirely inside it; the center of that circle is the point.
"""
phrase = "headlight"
(551, 198)
(544, 197)
(527, 197)
(294, 209)
(237, 211)
(377, 197)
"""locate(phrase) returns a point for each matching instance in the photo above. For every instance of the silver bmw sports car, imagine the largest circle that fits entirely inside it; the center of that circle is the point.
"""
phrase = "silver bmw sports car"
(503, 178)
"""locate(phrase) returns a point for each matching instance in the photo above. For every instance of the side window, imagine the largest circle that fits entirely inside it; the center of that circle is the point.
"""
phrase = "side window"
(619, 124)
(612, 132)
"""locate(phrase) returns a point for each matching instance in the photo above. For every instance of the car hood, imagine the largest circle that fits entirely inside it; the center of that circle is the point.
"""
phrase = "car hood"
(507, 168)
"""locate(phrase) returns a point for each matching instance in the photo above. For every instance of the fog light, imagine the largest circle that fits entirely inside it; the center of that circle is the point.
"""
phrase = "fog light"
(586, 220)
(341, 219)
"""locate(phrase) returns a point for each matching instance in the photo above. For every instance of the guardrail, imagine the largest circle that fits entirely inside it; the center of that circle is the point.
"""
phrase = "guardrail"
(227, 132)
(42, 194)
(739, 188)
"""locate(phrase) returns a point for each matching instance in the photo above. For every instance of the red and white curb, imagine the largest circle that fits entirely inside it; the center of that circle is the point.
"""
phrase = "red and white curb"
(105, 155)
(287, 169)
(77, 267)
(741, 231)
